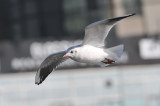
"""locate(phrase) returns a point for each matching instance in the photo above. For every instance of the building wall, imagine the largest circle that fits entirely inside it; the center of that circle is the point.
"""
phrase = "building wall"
(47, 24)
(151, 16)
(146, 22)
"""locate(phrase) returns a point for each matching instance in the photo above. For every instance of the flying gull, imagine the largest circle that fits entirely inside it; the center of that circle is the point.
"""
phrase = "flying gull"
(91, 51)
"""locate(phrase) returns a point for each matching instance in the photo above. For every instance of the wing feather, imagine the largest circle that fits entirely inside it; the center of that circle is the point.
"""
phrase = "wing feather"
(48, 65)
(96, 33)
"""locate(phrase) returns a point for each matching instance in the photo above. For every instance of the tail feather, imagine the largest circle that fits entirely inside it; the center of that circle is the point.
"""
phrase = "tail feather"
(115, 52)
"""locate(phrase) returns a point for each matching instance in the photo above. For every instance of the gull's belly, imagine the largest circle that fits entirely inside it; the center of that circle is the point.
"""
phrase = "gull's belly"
(90, 54)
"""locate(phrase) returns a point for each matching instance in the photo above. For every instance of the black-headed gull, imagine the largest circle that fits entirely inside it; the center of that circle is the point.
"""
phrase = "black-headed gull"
(90, 51)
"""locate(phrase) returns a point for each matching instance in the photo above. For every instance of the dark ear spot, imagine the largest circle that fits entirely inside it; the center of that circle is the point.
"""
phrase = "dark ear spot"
(75, 51)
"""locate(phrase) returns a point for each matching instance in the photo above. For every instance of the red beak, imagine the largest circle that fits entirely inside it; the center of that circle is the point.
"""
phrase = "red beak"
(66, 55)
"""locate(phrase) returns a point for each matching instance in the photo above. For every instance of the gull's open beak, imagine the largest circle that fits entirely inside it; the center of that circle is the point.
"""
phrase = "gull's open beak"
(66, 55)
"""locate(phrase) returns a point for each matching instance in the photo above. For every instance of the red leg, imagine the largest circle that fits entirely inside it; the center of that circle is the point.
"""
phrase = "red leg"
(109, 61)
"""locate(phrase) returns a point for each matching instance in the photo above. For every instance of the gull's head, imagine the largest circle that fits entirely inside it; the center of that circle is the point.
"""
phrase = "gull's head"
(71, 53)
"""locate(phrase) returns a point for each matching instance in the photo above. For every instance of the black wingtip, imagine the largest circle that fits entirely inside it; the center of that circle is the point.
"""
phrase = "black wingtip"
(37, 83)
(38, 80)
(129, 15)
(132, 14)
(120, 18)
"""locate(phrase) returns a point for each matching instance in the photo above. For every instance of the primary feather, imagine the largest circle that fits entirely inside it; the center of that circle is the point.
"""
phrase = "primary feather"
(96, 33)
(48, 65)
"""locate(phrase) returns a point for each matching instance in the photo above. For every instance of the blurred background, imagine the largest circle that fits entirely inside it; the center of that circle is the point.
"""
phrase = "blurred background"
(32, 29)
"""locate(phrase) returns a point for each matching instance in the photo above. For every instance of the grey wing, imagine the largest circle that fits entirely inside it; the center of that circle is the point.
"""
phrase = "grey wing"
(96, 33)
(48, 65)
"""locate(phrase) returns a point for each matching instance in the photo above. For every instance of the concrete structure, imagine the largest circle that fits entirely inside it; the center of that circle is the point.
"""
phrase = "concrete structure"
(145, 22)
(110, 86)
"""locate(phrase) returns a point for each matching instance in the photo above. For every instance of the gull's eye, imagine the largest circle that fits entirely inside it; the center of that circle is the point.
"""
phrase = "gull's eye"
(71, 52)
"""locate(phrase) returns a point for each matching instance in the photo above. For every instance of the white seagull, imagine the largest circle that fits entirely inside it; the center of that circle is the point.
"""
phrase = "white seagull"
(91, 51)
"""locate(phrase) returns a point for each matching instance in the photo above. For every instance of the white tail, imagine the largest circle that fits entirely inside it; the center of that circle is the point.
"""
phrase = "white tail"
(115, 52)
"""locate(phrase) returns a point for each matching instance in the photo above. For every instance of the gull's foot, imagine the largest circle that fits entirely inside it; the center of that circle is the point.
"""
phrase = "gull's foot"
(109, 61)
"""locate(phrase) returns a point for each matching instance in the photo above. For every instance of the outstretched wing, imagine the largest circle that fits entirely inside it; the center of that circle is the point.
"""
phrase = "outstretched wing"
(96, 33)
(48, 65)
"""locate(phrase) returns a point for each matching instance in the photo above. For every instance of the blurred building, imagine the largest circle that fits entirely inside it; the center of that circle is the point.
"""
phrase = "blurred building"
(32, 29)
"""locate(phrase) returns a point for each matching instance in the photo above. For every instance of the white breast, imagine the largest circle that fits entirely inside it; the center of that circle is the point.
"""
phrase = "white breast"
(90, 54)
